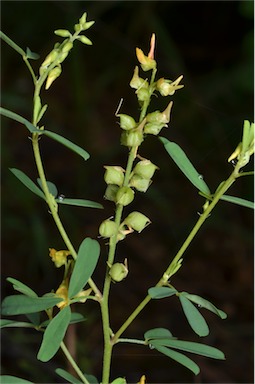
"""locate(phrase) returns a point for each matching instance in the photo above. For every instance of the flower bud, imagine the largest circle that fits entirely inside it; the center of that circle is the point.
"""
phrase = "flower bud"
(146, 62)
(136, 81)
(58, 257)
(145, 168)
(84, 39)
(50, 58)
(108, 228)
(126, 122)
(53, 74)
(110, 192)
(62, 33)
(139, 183)
(137, 221)
(168, 87)
(153, 128)
(124, 196)
(132, 138)
(119, 271)
(114, 175)
(67, 47)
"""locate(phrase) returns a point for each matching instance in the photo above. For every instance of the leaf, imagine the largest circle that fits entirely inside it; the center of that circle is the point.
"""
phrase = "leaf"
(27, 182)
(52, 187)
(85, 264)
(180, 358)
(20, 119)
(75, 318)
(238, 201)
(12, 323)
(32, 55)
(188, 346)
(34, 318)
(157, 333)
(205, 304)
(160, 292)
(119, 380)
(21, 304)
(67, 376)
(182, 161)
(67, 143)
(54, 335)
(6, 379)
(79, 203)
(194, 317)
(91, 379)
(18, 286)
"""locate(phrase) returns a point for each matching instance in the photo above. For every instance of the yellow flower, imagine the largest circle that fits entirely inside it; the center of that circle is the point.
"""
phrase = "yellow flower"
(147, 62)
(59, 257)
(62, 292)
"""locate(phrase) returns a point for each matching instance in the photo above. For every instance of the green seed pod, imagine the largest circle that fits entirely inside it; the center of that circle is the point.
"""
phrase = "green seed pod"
(139, 183)
(134, 138)
(110, 192)
(124, 196)
(145, 168)
(118, 271)
(137, 221)
(114, 175)
(108, 228)
(53, 74)
(136, 81)
(153, 129)
(126, 122)
(156, 118)
(143, 93)
(62, 33)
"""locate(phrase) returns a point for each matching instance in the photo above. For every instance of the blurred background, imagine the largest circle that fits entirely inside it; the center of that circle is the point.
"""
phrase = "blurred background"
(211, 44)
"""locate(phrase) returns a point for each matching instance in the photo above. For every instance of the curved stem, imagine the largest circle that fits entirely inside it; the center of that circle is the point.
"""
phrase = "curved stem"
(73, 363)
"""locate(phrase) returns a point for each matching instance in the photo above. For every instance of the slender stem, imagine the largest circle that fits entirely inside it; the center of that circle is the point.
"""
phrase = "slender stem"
(179, 254)
(133, 341)
(73, 363)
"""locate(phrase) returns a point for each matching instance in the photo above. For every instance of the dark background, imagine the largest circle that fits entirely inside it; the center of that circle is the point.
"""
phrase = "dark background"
(211, 44)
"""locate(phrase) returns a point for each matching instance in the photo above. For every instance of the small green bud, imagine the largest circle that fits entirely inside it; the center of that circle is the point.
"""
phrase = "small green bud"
(153, 128)
(137, 221)
(83, 39)
(50, 58)
(140, 183)
(67, 47)
(124, 196)
(168, 87)
(53, 74)
(132, 138)
(136, 81)
(62, 33)
(108, 228)
(114, 175)
(83, 18)
(126, 122)
(62, 56)
(145, 168)
(110, 192)
(119, 271)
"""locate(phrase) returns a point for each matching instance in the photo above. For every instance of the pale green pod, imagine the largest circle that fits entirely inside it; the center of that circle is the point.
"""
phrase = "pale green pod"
(124, 196)
(145, 168)
(118, 272)
(139, 183)
(114, 175)
(110, 192)
(137, 221)
(108, 228)
(127, 122)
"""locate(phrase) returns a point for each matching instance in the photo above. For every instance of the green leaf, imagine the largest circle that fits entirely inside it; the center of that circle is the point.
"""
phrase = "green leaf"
(18, 286)
(52, 187)
(20, 119)
(27, 182)
(12, 323)
(85, 264)
(182, 161)
(12, 44)
(75, 318)
(194, 317)
(160, 292)
(157, 333)
(119, 380)
(179, 357)
(205, 304)
(21, 304)
(6, 379)
(32, 55)
(188, 346)
(34, 318)
(91, 379)
(67, 143)
(238, 201)
(67, 376)
(79, 203)
(54, 335)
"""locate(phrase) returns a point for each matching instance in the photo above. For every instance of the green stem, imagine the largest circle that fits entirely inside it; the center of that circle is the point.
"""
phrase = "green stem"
(179, 254)
(133, 341)
(73, 363)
